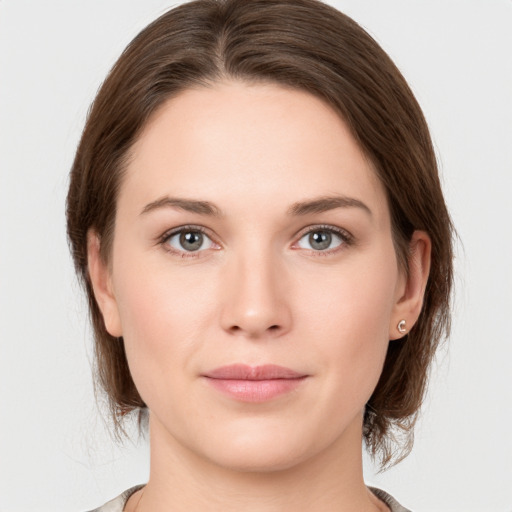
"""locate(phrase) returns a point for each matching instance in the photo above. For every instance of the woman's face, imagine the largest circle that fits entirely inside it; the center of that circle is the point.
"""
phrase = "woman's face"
(253, 276)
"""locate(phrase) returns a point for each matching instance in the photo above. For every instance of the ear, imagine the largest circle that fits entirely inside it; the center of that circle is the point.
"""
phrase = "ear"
(411, 289)
(101, 280)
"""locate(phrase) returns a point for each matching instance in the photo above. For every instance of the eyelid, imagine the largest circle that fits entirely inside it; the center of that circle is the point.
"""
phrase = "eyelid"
(164, 238)
(346, 237)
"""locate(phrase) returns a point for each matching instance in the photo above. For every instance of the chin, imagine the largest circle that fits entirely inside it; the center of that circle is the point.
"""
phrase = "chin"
(258, 458)
(264, 448)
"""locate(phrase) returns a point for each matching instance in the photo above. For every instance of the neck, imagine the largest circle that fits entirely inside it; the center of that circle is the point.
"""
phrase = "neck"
(180, 479)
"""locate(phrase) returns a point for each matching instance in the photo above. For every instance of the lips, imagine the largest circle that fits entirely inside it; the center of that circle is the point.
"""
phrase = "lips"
(245, 372)
(254, 383)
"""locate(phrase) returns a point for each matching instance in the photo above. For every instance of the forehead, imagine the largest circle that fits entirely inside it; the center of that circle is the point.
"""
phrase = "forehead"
(263, 144)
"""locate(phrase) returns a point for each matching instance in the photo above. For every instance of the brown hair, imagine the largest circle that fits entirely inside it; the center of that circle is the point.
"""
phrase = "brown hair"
(307, 45)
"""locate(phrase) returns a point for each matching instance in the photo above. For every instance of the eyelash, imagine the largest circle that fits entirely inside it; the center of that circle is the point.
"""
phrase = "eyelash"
(346, 239)
(164, 239)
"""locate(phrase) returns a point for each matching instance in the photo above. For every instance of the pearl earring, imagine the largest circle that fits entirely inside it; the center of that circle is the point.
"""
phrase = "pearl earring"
(401, 327)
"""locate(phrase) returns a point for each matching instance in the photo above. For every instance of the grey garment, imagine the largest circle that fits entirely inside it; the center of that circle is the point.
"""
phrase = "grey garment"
(393, 505)
(117, 504)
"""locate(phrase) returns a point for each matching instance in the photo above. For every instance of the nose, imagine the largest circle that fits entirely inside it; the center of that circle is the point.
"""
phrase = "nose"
(256, 299)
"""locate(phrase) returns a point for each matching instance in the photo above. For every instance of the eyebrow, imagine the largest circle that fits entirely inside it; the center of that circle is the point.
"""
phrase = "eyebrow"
(301, 208)
(188, 205)
(324, 204)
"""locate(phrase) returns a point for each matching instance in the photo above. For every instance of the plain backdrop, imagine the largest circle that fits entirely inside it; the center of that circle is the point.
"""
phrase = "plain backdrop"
(56, 453)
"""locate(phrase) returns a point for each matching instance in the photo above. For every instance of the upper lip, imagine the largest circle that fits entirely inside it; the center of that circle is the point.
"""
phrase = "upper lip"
(246, 372)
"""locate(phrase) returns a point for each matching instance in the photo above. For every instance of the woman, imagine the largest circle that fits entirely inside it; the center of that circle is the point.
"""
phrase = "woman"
(256, 214)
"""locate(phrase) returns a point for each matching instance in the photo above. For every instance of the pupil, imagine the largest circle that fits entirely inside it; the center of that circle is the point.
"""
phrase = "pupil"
(320, 240)
(191, 240)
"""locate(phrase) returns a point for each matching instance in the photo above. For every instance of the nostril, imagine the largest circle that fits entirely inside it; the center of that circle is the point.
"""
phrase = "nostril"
(237, 329)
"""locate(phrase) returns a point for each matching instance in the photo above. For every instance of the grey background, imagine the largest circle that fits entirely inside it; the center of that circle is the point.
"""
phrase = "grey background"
(55, 450)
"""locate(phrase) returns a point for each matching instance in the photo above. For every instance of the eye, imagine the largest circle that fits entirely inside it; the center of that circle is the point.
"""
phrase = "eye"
(322, 239)
(187, 240)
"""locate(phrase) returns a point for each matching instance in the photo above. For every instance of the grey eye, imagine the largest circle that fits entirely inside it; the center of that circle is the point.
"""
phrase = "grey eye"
(320, 240)
(189, 240)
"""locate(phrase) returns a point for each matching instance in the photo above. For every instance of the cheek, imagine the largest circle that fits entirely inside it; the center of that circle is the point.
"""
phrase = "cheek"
(358, 296)
(347, 316)
(164, 317)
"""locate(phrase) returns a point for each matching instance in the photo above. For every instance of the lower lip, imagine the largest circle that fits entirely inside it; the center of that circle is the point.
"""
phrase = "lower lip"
(255, 390)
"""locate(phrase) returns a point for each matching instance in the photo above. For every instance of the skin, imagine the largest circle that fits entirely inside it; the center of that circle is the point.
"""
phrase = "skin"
(256, 292)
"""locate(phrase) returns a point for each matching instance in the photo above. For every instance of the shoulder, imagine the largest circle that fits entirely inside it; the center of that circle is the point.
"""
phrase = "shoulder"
(117, 504)
(393, 505)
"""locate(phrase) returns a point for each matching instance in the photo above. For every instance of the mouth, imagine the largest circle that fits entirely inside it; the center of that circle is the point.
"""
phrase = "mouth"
(254, 383)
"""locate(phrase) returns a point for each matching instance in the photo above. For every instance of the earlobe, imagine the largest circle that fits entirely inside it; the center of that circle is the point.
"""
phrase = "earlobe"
(407, 309)
(101, 281)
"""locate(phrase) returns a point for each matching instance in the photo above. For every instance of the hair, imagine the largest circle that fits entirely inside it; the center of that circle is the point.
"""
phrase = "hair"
(306, 45)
